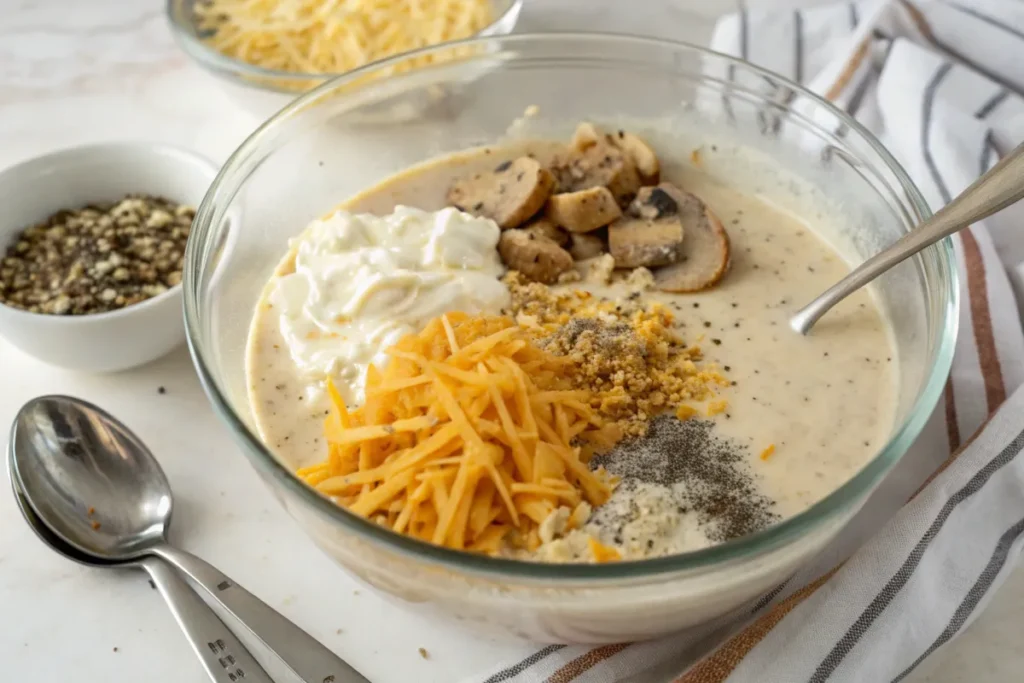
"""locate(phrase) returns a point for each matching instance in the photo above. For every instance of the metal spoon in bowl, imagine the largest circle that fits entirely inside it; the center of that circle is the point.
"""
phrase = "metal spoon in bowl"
(71, 456)
(1001, 186)
(224, 658)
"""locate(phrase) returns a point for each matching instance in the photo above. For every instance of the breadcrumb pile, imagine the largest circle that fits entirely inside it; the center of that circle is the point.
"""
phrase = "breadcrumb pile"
(624, 352)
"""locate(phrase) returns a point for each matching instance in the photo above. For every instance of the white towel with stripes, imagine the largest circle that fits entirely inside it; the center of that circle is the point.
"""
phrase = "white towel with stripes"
(941, 83)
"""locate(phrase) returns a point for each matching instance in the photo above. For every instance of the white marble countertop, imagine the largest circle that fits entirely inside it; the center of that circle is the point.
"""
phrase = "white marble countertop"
(72, 73)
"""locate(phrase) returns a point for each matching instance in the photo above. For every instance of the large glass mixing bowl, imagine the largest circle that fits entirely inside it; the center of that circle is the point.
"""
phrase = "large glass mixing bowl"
(329, 144)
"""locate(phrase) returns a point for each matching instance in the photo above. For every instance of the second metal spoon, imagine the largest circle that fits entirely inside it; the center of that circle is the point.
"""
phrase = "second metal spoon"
(70, 456)
(222, 655)
(1001, 186)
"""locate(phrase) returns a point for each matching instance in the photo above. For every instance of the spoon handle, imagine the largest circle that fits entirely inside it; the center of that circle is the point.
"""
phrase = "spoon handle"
(1001, 186)
(225, 659)
(302, 653)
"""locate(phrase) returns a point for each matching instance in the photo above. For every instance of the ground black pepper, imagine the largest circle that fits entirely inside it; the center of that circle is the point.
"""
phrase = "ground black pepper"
(98, 258)
(717, 483)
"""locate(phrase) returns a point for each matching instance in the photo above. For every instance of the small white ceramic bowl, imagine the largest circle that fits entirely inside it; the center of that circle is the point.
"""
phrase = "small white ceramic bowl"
(33, 190)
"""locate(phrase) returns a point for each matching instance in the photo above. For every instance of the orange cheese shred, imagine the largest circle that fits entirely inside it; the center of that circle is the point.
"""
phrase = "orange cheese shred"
(601, 552)
(467, 435)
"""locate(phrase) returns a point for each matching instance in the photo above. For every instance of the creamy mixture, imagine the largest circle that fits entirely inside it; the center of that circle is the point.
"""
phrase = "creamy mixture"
(820, 405)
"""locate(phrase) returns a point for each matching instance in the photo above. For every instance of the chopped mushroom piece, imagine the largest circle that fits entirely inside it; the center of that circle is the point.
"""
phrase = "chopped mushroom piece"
(535, 256)
(545, 228)
(638, 151)
(650, 234)
(644, 158)
(510, 194)
(705, 257)
(583, 210)
(586, 135)
(585, 246)
(600, 164)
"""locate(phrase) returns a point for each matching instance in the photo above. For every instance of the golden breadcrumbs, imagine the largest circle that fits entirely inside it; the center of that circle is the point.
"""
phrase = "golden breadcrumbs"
(625, 353)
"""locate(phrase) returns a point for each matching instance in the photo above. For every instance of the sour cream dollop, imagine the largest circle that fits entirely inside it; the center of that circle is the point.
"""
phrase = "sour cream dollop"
(361, 282)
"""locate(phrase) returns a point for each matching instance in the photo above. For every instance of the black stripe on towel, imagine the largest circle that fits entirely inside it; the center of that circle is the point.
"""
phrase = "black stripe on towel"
(993, 102)
(513, 671)
(974, 596)
(798, 47)
(926, 130)
(988, 150)
(767, 598)
(730, 73)
(905, 572)
(991, 21)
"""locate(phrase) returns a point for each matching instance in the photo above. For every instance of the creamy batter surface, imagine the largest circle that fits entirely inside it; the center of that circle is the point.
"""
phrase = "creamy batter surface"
(820, 405)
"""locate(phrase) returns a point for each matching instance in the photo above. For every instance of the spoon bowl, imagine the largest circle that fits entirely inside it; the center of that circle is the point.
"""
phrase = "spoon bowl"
(98, 489)
(46, 535)
(198, 622)
(93, 481)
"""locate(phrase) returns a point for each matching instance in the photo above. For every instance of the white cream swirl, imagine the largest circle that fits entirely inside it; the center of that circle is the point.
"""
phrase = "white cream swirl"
(361, 282)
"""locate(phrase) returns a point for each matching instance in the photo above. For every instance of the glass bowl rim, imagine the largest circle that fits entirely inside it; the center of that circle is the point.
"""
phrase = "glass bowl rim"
(208, 56)
(775, 536)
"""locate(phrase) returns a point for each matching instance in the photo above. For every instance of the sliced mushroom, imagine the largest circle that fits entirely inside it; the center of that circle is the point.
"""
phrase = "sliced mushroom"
(510, 194)
(635, 242)
(545, 228)
(583, 210)
(650, 234)
(705, 256)
(535, 256)
(600, 164)
(588, 245)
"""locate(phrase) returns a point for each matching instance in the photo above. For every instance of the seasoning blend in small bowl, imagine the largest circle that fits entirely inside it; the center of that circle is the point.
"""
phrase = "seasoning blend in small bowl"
(92, 241)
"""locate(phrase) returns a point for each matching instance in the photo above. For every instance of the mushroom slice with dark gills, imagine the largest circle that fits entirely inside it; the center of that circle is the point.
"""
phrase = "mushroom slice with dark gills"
(650, 234)
(509, 195)
(583, 210)
(537, 257)
(705, 254)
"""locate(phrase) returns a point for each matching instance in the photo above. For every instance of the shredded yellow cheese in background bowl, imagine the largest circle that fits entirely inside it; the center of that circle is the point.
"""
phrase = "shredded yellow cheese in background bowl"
(284, 39)
(468, 439)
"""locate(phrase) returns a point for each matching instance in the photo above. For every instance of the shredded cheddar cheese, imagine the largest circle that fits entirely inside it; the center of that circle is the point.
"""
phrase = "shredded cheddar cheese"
(468, 438)
(717, 407)
(334, 36)
(768, 452)
(601, 552)
(685, 412)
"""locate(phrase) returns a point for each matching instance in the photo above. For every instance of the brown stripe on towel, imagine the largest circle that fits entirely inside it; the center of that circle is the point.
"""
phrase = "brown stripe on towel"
(717, 666)
(576, 667)
(925, 29)
(981, 316)
(952, 427)
(953, 456)
(848, 71)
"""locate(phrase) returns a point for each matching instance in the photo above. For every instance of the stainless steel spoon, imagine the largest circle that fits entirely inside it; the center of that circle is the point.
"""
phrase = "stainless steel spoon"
(225, 659)
(71, 456)
(1001, 186)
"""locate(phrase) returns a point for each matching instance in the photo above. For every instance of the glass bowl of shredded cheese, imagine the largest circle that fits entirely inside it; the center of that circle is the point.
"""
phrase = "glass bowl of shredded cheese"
(317, 153)
(269, 51)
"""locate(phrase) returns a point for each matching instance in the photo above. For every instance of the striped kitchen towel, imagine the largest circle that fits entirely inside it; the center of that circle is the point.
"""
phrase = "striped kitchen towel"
(941, 84)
